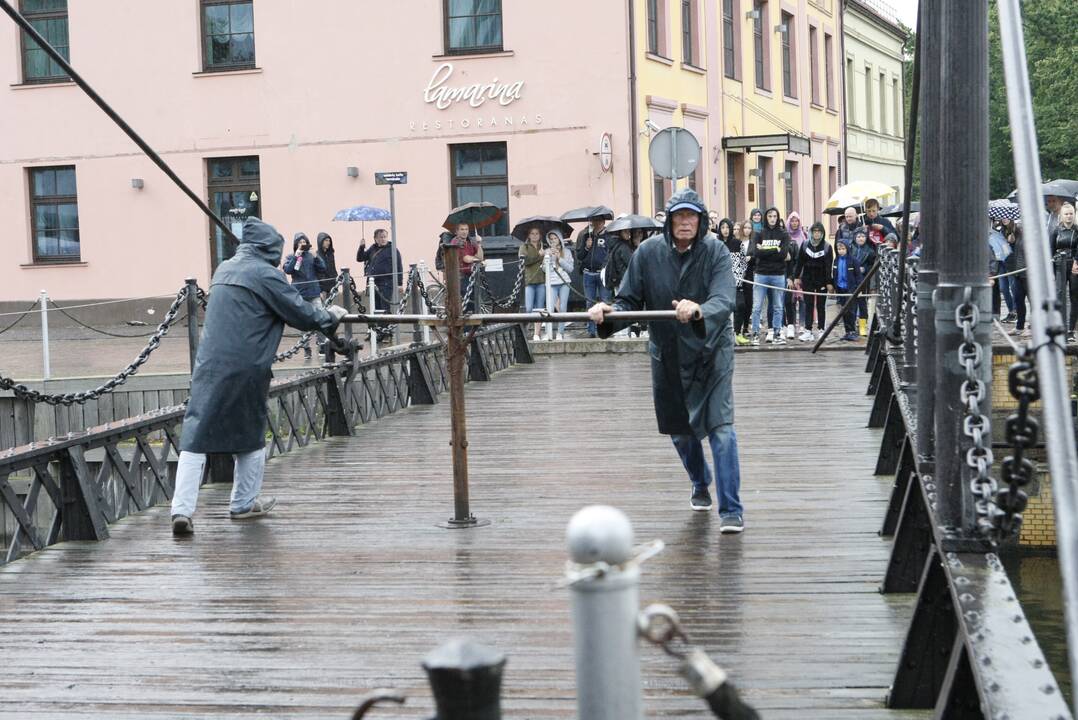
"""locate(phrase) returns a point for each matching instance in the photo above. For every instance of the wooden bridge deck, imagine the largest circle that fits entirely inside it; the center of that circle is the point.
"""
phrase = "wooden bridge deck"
(350, 583)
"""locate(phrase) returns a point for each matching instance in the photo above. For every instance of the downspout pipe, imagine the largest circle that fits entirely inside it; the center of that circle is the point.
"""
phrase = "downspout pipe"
(634, 139)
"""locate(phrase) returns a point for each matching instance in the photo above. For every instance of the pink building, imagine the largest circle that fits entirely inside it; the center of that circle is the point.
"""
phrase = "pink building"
(288, 109)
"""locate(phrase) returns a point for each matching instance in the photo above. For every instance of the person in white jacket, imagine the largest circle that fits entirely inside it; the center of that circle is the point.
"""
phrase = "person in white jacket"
(559, 274)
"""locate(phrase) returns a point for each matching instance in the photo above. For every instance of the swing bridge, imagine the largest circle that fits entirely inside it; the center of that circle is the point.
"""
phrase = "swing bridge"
(868, 583)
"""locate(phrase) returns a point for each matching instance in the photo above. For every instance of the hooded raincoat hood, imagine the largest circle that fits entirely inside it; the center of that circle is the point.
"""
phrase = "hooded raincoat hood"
(800, 235)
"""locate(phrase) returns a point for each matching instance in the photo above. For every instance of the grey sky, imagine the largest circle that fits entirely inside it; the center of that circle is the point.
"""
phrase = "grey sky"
(907, 11)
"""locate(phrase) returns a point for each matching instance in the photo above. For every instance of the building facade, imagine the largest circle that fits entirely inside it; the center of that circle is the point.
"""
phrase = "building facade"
(287, 111)
(875, 116)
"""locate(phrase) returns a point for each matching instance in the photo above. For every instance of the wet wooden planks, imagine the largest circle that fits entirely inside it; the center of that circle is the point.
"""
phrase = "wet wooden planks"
(350, 583)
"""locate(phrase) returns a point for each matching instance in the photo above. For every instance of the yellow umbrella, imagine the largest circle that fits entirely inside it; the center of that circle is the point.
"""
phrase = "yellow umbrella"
(856, 193)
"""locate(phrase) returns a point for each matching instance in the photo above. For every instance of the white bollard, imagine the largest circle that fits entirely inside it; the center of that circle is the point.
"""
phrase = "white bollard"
(47, 370)
(548, 265)
(423, 302)
(604, 586)
(372, 299)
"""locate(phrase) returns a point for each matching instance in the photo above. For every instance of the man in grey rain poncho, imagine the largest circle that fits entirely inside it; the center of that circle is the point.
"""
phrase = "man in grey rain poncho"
(688, 269)
(250, 303)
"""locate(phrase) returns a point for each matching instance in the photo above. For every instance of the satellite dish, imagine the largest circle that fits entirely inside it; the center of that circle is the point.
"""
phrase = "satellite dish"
(674, 153)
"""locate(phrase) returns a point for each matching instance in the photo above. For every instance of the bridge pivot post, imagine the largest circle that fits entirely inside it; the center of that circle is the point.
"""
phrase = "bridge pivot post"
(455, 358)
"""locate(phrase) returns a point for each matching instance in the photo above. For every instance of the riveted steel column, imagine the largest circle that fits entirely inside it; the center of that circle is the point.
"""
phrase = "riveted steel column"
(932, 222)
(961, 183)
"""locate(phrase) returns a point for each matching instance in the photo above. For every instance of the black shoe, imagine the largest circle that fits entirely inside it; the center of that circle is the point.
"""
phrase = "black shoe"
(732, 524)
(182, 525)
(700, 500)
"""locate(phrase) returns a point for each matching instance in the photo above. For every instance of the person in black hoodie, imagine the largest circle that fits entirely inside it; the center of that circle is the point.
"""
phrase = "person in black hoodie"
(327, 277)
(770, 251)
(812, 274)
(305, 269)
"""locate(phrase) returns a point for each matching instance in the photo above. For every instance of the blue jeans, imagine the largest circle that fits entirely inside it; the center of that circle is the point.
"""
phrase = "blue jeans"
(561, 302)
(723, 443)
(1006, 288)
(774, 303)
(594, 290)
(534, 297)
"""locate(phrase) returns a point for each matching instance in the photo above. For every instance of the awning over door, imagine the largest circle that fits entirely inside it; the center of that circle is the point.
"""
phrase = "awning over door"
(768, 143)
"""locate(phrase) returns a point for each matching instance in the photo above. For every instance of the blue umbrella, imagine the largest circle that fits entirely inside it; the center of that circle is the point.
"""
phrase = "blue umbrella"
(362, 214)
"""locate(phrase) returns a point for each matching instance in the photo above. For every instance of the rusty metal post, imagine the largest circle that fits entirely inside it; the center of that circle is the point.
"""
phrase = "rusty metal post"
(455, 357)
(192, 319)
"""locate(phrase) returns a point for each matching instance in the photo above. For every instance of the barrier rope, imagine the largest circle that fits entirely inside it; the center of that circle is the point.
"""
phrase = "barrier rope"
(20, 318)
(24, 393)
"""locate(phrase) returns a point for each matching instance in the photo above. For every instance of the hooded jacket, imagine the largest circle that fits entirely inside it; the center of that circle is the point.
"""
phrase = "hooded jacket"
(798, 236)
(864, 257)
(770, 248)
(305, 269)
(250, 303)
(329, 277)
(562, 273)
(814, 262)
(757, 226)
(692, 364)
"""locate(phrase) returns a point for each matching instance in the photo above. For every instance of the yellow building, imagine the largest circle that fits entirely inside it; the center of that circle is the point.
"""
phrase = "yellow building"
(759, 83)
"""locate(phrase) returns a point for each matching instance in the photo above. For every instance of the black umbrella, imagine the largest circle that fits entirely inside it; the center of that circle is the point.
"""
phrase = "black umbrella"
(476, 214)
(1060, 188)
(585, 214)
(634, 222)
(545, 223)
(897, 210)
(842, 210)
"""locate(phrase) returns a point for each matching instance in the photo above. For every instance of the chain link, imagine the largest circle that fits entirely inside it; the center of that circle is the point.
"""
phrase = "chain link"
(975, 424)
(509, 302)
(25, 393)
(909, 324)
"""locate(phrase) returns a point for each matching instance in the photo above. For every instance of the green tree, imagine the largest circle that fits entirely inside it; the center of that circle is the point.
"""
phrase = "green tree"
(1052, 57)
(908, 49)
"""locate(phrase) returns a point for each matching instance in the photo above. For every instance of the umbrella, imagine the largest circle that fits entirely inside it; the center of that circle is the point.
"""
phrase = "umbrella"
(476, 214)
(897, 210)
(585, 214)
(1060, 188)
(841, 209)
(545, 223)
(362, 214)
(634, 222)
(856, 193)
(1003, 210)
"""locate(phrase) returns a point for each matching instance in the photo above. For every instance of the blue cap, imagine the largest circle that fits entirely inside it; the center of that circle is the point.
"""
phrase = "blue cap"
(683, 206)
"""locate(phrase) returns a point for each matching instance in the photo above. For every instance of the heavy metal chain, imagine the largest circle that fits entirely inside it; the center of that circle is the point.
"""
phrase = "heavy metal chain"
(305, 338)
(25, 393)
(509, 301)
(909, 329)
(1022, 433)
(425, 294)
(468, 292)
(976, 424)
